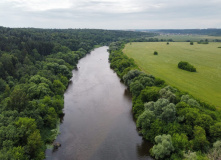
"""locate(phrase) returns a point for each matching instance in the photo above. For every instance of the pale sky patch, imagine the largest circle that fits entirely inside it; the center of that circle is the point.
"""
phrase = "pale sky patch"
(111, 14)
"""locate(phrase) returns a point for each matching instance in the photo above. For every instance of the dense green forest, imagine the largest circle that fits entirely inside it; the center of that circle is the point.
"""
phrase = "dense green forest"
(35, 68)
(179, 126)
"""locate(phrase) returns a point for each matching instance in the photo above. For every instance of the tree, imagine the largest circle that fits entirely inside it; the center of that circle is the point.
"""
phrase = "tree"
(169, 113)
(204, 121)
(25, 127)
(136, 87)
(58, 87)
(215, 131)
(18, 99)
(35, 146)
(192, 102)
(2, 85)
(155, 53)
(150, 94)
(131, 75)
(168, 92)
(145, 120)
(215, 152)
(162, 109)
(19, 153)
(186, 66)
(200, 143)
(51, 118)
(37, 91)
(190, 115)
(180, 142)
(163, 146)
(37, 79)
(191, 43)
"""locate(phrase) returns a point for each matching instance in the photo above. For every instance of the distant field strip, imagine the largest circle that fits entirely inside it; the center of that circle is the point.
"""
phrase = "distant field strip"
(205, 84)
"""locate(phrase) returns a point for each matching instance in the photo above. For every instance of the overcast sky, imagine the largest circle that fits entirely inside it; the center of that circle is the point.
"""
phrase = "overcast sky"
(111, 14)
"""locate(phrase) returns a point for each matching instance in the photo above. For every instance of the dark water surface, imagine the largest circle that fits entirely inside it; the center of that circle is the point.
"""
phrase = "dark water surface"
(98, 122)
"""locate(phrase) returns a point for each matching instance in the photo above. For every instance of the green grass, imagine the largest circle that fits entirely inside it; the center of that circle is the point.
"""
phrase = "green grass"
(205, 84)
(184, 38)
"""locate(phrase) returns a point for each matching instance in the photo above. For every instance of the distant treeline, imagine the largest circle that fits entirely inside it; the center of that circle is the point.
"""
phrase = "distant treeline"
(179, 126)
(35, 68)
(146, 39)
(210, 32)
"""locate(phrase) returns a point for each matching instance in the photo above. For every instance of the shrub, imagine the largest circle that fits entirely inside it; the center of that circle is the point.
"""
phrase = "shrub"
(191, 43)
(159, 82)
(186, 66)
(155, 53)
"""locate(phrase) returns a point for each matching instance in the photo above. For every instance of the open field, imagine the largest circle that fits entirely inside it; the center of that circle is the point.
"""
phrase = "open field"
(184, 38)
(205, 84)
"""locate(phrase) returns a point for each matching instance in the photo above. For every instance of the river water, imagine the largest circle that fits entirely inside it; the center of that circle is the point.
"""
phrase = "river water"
(98, 122)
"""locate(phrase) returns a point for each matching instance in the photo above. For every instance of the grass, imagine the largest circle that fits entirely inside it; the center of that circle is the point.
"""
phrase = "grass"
(205, 84)
(184, 38)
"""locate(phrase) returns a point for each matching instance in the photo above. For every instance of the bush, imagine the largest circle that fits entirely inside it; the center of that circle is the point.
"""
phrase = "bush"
(159, 82)
(186, 66)
(155, 53)
(191, 43)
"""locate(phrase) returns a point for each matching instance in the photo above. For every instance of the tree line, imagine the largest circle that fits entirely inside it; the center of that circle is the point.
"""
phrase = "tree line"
(35, 68)
(179, 126)
(210, 32)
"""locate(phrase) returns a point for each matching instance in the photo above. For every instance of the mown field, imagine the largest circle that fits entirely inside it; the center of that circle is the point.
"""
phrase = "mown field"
(205, 84)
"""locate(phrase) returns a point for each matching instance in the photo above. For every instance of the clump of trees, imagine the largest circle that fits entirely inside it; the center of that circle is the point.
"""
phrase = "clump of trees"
(186, 66)
(178, 125)
(203, 41)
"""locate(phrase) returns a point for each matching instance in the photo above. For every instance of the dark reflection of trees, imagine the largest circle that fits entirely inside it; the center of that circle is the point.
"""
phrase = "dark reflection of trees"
(143, 148)
(62, 117)
(127, 94)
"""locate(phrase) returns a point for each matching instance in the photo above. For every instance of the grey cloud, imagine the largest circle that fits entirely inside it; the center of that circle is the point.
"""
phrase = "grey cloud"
(115, 14)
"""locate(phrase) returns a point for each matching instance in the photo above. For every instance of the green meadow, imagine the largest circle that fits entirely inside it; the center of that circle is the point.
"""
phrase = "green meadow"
(205, 84)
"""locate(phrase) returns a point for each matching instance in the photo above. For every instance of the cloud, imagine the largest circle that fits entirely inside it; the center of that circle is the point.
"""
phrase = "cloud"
(110, 14)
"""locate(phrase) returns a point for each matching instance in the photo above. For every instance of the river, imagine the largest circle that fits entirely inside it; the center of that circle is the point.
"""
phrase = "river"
(98, 122)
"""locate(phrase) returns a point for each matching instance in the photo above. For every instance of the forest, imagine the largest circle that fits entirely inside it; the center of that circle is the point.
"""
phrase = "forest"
(178, 125)
(35, 68)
